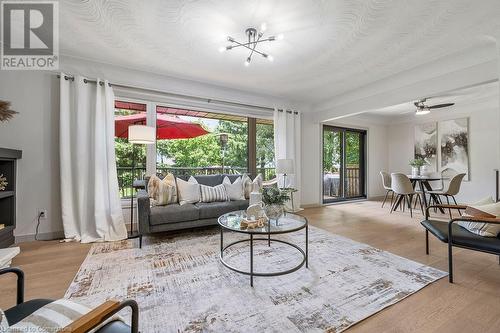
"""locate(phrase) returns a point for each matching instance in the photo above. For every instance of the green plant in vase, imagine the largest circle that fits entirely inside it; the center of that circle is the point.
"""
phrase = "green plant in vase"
(416, 164)
(274, 199)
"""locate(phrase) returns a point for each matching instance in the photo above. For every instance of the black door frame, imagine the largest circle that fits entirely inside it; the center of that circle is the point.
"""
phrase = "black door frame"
(362, 163)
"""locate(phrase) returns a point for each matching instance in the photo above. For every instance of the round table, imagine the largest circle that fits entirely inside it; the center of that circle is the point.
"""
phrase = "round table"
(287, 223)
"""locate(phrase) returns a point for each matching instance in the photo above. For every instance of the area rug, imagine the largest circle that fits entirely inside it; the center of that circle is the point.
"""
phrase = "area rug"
(181, 286)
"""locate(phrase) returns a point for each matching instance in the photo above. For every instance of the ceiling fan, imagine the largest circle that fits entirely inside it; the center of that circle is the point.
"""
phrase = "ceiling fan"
(422, 108)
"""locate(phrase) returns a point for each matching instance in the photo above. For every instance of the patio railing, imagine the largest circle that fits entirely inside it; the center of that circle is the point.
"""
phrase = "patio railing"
(125, 174)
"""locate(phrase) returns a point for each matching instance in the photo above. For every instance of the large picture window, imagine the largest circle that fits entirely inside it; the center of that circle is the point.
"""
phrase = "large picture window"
(191, 142)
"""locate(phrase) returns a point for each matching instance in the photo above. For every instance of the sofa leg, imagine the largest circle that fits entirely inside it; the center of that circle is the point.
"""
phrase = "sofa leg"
(450, 261)
(140, 241)
(427, 242)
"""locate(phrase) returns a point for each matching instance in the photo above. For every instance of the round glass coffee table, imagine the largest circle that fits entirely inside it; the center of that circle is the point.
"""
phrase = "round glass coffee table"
(288, 223)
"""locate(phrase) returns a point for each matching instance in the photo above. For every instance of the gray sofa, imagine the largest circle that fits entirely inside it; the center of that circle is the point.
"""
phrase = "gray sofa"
(176, 217)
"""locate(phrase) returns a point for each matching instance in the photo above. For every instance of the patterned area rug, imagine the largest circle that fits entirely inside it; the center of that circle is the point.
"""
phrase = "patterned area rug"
(181, 286)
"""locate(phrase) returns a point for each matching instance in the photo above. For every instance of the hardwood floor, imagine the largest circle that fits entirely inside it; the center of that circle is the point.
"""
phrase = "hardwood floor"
(471, 304)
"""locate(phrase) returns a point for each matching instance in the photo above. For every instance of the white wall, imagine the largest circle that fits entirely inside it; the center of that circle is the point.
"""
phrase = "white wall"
(377, 156)
(483, 145)
(35, 95)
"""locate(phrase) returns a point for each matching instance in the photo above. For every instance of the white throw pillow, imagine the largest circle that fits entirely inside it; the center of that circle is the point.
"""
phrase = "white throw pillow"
(188, 191)
(162, 191)
(235, 191)
(480, 228)
(213, 193)
(4, 324)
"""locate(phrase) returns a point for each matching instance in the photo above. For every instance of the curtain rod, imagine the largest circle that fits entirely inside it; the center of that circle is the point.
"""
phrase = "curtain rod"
(208, 100)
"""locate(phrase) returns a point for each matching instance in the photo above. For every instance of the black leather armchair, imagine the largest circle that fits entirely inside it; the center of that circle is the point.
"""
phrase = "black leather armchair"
(87, 322)
(456, 236)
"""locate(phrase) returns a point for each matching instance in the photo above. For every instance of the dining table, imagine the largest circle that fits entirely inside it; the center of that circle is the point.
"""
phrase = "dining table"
(423, 183)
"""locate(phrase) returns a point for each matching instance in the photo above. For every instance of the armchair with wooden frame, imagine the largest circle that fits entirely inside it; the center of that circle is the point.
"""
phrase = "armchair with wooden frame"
(456, 236)
(85, 323)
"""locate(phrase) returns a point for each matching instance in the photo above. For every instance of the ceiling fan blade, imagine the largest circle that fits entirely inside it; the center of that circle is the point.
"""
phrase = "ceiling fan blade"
(441, 105)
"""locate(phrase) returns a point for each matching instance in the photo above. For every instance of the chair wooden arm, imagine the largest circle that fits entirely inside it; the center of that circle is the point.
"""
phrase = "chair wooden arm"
(459, 207)
(104, 311)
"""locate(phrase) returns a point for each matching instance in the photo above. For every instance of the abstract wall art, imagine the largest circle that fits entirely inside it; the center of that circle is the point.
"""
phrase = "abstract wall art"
(454, 146)
(426, 144)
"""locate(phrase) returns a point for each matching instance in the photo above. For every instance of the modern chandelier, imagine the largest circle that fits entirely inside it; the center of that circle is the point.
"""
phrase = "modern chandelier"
(254, 39)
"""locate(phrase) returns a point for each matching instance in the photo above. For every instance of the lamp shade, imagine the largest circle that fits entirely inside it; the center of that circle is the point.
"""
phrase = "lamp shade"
(284, 166)
(141, 134)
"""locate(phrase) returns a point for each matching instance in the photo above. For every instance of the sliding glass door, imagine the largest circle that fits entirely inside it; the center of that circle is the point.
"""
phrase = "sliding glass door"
(343, 164)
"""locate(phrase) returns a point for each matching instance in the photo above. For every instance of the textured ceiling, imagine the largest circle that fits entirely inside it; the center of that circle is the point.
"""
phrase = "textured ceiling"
(467, 96)
(330, 46)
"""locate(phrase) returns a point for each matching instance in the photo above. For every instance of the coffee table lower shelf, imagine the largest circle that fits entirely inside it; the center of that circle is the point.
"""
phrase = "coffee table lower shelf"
(269, 240)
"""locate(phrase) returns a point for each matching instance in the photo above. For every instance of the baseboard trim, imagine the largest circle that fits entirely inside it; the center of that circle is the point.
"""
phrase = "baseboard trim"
(42, 236)
(310, 206)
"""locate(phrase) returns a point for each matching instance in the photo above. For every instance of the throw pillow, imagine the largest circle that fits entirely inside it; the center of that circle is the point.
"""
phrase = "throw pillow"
(484, 210)
(4, 324)
(257, 183)
(252, 186)
(213, 193)
(188, 191)
(58, 315)
(235, 191)
(162, 191)
(247, 185)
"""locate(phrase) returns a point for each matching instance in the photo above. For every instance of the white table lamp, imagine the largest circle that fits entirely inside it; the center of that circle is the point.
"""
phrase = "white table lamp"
(141, 134)
(285, 167)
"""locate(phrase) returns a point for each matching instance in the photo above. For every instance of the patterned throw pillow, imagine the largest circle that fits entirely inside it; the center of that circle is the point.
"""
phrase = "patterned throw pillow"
(485, 208)
(213, 193)
(4, 324)
(162, 191)
(252, 186)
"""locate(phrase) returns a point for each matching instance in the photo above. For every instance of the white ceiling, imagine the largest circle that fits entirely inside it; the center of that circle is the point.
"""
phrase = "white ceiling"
(330, 46)
(478, 94)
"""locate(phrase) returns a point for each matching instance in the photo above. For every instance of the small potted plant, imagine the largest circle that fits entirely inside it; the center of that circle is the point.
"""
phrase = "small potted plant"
(416, 164)
(274, 199)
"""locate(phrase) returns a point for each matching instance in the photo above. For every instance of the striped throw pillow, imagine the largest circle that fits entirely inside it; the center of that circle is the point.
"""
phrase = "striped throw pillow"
(54, 317)
(213, 193)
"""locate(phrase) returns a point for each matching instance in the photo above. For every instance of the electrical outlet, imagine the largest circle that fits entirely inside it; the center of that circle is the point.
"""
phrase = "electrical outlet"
(42, 213)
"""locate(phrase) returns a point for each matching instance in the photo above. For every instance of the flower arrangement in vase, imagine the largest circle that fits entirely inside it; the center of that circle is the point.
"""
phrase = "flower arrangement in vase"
(274, 199)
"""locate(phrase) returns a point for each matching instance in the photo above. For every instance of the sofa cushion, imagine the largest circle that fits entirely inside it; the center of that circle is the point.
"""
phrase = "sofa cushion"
(242, 204)
(173, 213)
(461, 236)
(210, 210)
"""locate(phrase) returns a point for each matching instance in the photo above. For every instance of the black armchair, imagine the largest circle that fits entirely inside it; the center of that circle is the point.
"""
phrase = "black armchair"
(83, 324)
(456, 236)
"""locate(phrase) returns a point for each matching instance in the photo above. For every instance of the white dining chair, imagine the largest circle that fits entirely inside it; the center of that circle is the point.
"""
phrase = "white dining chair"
(452, 190)
(403, 188)
(386, 183)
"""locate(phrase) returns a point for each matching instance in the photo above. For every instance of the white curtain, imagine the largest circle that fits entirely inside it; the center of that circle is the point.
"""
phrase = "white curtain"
(91, 207)
(287, 145)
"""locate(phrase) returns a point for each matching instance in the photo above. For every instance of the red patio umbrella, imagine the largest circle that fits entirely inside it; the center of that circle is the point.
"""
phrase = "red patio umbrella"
(167, 127)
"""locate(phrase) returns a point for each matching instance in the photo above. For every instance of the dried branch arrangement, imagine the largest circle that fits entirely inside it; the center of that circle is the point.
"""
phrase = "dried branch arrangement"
(6, 113)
